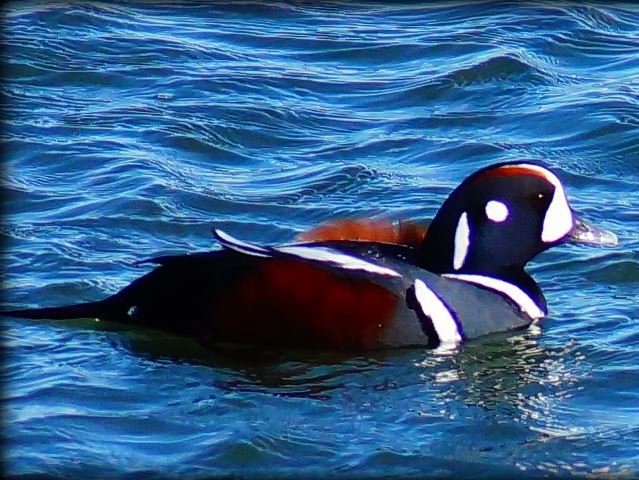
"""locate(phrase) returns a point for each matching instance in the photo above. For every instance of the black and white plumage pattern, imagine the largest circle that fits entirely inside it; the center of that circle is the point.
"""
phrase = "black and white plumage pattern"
(434, 310)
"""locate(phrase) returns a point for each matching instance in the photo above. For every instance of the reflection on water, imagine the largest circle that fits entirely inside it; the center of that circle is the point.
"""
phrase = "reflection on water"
(495, 383)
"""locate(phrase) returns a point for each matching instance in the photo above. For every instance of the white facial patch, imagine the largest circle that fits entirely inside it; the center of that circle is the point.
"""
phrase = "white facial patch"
(516, 294)
(496, 211)
(323, 254)
(558, 220)
(443, 322)
(462, 241)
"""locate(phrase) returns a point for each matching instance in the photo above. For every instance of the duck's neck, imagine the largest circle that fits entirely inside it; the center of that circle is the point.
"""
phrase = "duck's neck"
(437, 257)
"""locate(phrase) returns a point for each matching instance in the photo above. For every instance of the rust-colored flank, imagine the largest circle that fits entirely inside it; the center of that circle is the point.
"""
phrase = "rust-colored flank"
(367, 229)
(294, 303)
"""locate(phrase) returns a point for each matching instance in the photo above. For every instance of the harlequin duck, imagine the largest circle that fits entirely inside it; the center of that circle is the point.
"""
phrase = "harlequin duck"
(465, 279)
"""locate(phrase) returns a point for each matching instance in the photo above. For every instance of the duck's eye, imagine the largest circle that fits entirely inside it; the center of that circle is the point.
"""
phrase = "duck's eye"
(538, 199)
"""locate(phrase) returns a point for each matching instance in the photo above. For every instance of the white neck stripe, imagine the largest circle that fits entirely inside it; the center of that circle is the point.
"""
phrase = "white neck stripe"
(443, 322)
(516, 294)
(462, 241)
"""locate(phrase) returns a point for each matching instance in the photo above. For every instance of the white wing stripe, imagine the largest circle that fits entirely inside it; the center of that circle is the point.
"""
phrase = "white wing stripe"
(323, 254)
(319, 254)
(239, 246)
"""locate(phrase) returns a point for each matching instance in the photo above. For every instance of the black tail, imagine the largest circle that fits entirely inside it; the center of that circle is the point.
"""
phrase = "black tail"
(176, 296)
(107, 309)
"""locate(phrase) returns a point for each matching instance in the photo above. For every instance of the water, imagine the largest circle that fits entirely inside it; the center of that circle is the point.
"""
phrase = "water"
(131, 129)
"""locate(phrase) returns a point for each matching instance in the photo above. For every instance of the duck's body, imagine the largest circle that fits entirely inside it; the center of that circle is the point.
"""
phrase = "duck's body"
(369, 296)
(465, 279)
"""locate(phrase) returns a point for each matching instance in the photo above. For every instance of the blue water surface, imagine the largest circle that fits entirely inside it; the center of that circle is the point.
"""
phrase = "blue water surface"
(130, 129)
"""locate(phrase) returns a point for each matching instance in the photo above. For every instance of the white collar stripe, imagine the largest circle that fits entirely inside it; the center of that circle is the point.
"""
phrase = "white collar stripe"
(440, 315)
(516, 294)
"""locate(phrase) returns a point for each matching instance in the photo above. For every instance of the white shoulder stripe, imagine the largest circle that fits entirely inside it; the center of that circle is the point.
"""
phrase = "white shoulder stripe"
(239, 246)
(516, 294)
(328, 255)
(442, 318)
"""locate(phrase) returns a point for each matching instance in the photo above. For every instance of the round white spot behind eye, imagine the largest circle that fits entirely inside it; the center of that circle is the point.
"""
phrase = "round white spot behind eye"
(497, 211)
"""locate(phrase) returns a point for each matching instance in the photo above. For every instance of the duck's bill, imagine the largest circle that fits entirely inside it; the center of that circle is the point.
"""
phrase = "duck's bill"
(585, 233)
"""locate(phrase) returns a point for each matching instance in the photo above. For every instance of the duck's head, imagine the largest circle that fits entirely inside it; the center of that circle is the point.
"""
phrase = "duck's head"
(501, 217)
